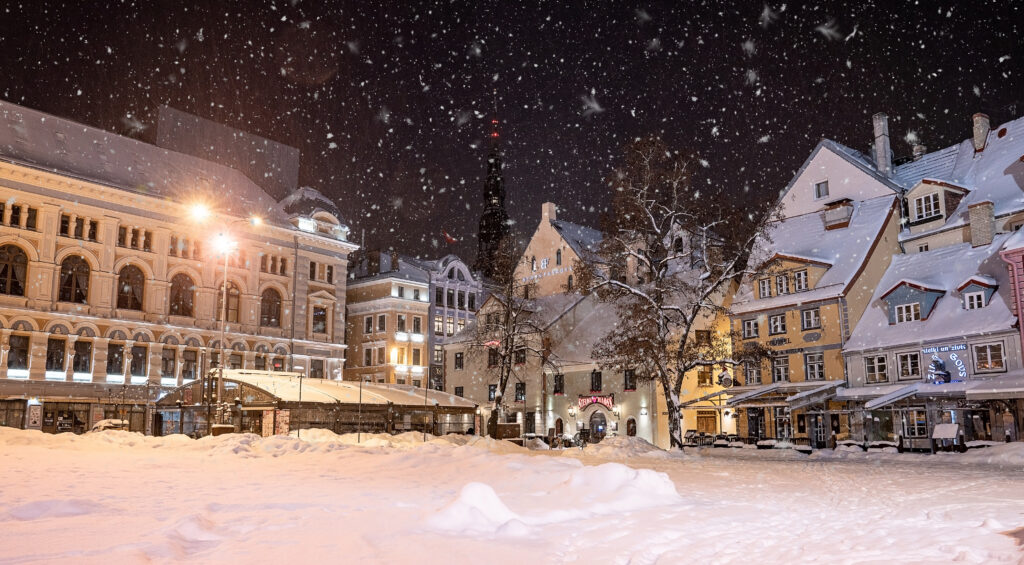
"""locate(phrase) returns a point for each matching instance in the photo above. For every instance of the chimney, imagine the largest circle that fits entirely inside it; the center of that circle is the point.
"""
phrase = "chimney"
(981, 129)
(983, 223)
(919, 151)
(373, 263)
(547, 212)
(883, 156)
(394, 260)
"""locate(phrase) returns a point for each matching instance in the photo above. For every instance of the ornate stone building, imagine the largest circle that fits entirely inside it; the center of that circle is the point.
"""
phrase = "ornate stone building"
(112, 280)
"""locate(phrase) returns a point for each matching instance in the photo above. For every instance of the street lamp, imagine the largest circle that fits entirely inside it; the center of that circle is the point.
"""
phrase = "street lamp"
(224, 245)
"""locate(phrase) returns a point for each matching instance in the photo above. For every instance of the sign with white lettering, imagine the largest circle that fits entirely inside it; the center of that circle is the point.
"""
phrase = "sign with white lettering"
(947, 363)
(608, 401)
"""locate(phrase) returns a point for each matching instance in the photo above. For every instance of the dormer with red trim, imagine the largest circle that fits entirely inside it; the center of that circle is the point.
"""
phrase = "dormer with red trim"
(909, 301)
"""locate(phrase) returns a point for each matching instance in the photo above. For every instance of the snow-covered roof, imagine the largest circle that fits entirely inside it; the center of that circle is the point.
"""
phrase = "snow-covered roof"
(995, 174)
(852, 156)
(581, 239)
(575, 347)
(409, 269)
(52, 143)
(307, 201)
(805, 237)
(942, 269)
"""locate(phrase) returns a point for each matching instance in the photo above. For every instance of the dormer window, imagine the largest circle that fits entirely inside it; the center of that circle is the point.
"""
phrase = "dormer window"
(781, 285)
(821, 189)
(926, 206)
(974, 300)
(908, 312)
(765, 288)
(800, 281)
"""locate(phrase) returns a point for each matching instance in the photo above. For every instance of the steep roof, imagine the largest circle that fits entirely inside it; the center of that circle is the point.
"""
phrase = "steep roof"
(581, 239)
(943, 269)
(852, 156)
(51, 143)
(806, 238)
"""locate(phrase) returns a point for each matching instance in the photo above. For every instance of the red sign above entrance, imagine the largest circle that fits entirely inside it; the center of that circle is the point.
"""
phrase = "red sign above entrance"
(607, 400)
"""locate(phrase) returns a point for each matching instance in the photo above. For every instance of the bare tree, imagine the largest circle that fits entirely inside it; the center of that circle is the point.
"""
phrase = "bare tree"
(670, 257)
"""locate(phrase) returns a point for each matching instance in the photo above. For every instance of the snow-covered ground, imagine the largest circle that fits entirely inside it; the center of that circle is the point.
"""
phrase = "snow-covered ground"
(116, 497)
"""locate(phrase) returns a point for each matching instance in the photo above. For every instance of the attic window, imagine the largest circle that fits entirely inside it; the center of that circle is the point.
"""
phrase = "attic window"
(1002, 133)
(926, 206)
(821, 189)
(974, 300)
(908, 312)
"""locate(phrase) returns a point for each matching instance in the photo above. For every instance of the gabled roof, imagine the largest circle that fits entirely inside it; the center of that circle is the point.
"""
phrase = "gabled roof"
(852, 156)
(980, 280)
(845, 250)
(581, 239)
(922, 286)
(942, 269)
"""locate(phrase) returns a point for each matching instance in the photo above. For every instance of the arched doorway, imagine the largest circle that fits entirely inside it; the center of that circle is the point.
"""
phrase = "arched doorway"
(598, 426)
(631, 427)
(558, 427)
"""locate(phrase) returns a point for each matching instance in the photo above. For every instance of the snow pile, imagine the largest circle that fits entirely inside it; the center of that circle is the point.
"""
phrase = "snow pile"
(622, 447)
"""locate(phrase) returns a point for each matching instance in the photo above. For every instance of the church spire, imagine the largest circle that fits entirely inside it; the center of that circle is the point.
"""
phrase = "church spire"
(494, 220)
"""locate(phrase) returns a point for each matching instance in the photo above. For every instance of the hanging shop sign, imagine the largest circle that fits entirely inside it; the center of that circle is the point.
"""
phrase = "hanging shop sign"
(607, 400)
(946, 363)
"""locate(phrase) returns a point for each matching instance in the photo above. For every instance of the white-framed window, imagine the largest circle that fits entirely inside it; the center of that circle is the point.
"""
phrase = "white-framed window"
(752, 373)
(382, 322)
(989, 357)
(974, 300)
(926, 206)
(800, 281)
(821, 189)
(908, 312)
(765, 288)
(781, 284)
(749, 329)
(810, 319)
(368, 325)
(777, 324)
(780, 369)
(814, 366)
(367, 357)
(922, 248)
(874, 369)
(909, 365)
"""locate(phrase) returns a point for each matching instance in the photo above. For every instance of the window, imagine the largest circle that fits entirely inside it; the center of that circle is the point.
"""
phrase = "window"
(182, 295)
(81, 362)
(568, 284)
(130, 285)
(460, 361)
(115, 359)
(438, 325)
(400, 326)
(438, 297)
(234, 296)
(167, 363)
(319, 320)
(704, 376)
(908, 312)
(270, 308)
(54, 354)
(283, 266)
(417, 325)
(449, 326)
(814, 366)
(367, 357)
(533, 263)
(492, 391)
(782, 284)
(416, 356)
(382, 322)
(260, 363)
(65, 224)
(139, 361)
(558, 257)
(922, 248)
(777, 324)
(381, 356)
(800, 281)
(147, 244)
(749, 329)
(438, 354)
(629, 379)
(460, 391)
(17, 358)
(450, 298)
(492, 357)
(368, 325)
(79, 228)
(330, 277)
(821, 189)
(415, 294)
(926, 206)
(559, 385)
(520, 392)
(401, 291)
(915, 423)
(472, 302)
(765, 288)
(909, 365)
(188, 365)
(520, 356)
(316, 369)
(74, 280)
(702, 337)
(122, 236)
(810, 319)
(989, 357)
(595, 381)
(13, 266)
(461, 299)
(875, 370)
(752, 373)
(16, 216)
(974, 300)
(312, 271)
(30, 219)
(780, 369)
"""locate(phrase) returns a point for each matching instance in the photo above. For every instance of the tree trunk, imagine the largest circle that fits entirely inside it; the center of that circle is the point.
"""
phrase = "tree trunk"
(675, 424)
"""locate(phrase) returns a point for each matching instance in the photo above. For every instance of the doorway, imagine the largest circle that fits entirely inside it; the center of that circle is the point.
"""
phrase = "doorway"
(558, 427)
(631, 427)
(598, 427)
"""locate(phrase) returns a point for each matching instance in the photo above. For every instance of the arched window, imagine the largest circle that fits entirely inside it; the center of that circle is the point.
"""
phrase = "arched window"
(558, 257)
(533, 263)
(183, 292)
(130, 285)
(13, 264)
(74, 280)
(270, 309)
(677, 245)
(234, 296)
(569, 284)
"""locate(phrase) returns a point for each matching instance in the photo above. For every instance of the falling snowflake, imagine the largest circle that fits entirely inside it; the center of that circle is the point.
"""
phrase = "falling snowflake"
(590, 104)
(829, 30)
(749, 48)
(768, 16)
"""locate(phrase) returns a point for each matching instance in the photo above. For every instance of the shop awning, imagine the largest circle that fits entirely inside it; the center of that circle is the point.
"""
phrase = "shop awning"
(756, 397)
(860, 393)
(948, 390)
(1004, 387)
(704, 398)
(814, 396)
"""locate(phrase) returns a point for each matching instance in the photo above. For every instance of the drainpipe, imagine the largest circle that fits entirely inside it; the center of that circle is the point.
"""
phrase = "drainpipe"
(295, 293)
(1015, 259)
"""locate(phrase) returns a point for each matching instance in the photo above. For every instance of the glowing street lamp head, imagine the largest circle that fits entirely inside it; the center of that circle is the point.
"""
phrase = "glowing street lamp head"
(200, 212)
(223, 244)
(256, 221)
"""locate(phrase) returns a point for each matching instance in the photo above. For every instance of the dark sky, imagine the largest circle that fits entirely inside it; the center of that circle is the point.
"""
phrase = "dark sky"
(390, 101)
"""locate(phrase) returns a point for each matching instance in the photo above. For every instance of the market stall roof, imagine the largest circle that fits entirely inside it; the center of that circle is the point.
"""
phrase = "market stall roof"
(814, 395)
(750, 397)
(1010, 385)
(704, 398)
(921, 389)
(286, 388)
(866, 392)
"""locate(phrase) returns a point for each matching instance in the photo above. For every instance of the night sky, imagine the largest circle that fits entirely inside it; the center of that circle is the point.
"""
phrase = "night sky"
(390, 102)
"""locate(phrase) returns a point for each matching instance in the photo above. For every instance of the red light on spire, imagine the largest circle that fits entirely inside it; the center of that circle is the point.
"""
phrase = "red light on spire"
(494, 134)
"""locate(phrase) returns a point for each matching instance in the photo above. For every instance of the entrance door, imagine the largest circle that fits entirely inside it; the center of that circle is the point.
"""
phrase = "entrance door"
(631, 427)
(707, 423)
(755, 423)
(558, 427)
(820, 431)
(598, 427)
